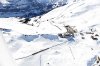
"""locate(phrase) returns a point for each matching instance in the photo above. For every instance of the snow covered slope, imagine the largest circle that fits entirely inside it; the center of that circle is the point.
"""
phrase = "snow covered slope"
(37, 43)
(4, 51)
(28, 8)
(4, 1)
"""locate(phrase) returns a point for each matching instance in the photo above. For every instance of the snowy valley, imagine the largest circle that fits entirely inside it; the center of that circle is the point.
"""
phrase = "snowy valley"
(37, 42)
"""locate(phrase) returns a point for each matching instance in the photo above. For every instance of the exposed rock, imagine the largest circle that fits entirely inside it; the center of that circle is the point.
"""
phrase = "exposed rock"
(94, 38)
(70, 31)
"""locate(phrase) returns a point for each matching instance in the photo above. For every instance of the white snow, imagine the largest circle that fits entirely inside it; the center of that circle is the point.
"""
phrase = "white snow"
(23, 40)
(4, 1)
(5, 56)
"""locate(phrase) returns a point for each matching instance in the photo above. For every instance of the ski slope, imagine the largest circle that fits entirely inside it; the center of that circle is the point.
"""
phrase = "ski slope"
(23, 40)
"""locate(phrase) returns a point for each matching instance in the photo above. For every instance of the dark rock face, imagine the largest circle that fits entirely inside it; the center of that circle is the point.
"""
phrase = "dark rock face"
(26, 8)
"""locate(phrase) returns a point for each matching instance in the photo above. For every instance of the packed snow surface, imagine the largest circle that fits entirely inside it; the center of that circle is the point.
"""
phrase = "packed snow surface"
(23, 40)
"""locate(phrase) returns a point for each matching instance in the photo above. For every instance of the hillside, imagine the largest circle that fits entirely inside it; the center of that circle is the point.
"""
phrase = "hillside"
(28, 8)
(37, 43)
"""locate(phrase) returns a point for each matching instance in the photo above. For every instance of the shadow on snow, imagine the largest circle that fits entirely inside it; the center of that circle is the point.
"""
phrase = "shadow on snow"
(30, 38)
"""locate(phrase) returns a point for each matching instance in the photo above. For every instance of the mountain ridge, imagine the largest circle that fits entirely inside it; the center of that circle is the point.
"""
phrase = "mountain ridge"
(29, 8)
